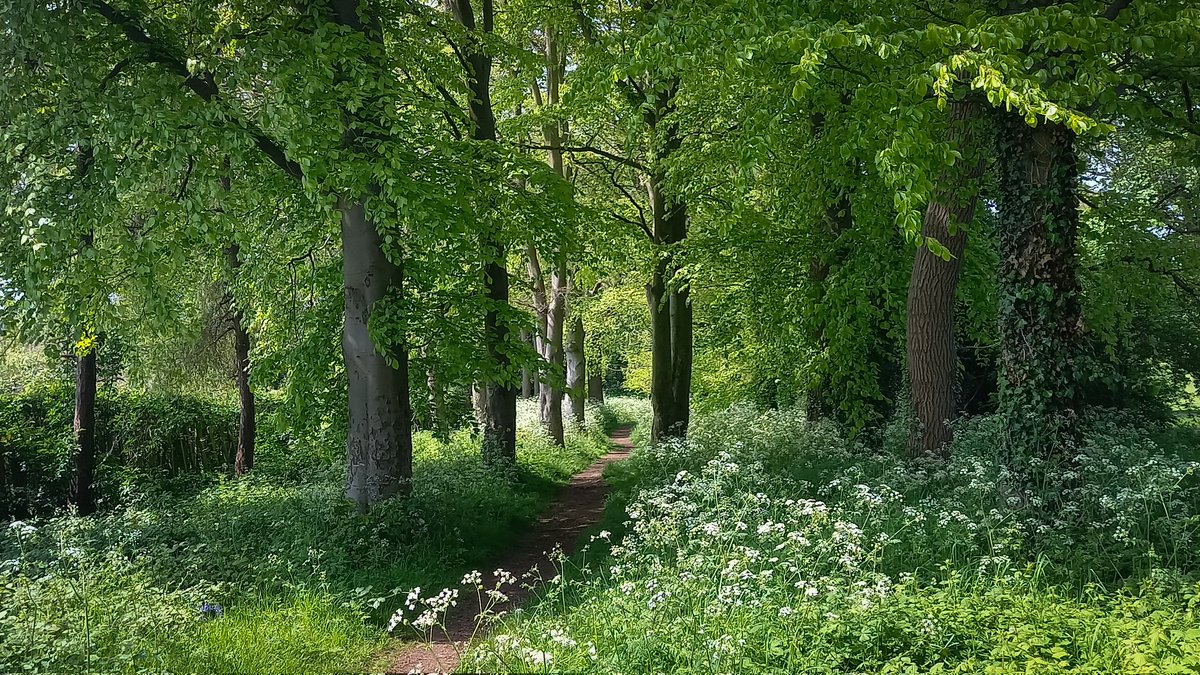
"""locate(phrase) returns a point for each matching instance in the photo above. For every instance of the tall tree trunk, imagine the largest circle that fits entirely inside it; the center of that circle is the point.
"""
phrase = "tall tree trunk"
(550, 401)
(595, 382)
(662, 394)
(839, 217)
(528, 377)
(379, 430)
(83, 491)
(932, 362)
(479, 405)
(437, 402)
(243, 460)
(1041, 323)
(548, 341)
(681, 353)
(670, 318)
(576, 370)
(379, 439)
(500, 424)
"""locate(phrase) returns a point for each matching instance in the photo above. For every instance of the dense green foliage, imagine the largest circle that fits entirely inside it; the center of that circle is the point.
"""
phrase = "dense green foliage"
(294, 570)
(927, 274)
(143, 439)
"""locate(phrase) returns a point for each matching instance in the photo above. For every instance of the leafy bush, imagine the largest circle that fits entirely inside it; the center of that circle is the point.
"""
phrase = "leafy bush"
(142, 439)
(767, 544)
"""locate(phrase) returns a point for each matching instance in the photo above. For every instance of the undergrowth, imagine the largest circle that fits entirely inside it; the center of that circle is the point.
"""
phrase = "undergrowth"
(271, 573)
(766, 544)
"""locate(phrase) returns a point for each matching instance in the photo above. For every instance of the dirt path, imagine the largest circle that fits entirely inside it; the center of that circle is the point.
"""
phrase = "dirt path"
(578, 506)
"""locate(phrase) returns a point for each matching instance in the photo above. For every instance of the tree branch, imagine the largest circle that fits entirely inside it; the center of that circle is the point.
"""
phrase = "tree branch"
(1115, 9)
(589, 149)
(641, 225)
(203, 85)
(612, 178)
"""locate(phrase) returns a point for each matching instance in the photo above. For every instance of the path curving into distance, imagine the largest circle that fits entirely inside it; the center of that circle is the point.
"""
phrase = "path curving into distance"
(577, 507)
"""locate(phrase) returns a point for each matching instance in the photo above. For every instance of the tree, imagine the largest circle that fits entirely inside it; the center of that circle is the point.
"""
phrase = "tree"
(932, 356)
(378, 444)
(499, 393)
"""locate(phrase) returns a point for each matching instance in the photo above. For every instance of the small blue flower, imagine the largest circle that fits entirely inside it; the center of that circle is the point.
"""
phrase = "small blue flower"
(211, 610)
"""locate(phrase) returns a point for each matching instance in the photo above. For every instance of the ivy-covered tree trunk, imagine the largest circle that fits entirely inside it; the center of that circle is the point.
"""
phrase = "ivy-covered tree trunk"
(243, 459)
(839, 217)
(576, 370)
(1041, 322)
(500, 410)
(83, 490)
(379, 434)
(932, 362)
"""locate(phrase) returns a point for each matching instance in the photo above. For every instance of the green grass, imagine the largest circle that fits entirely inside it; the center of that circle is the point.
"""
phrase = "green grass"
(305, 583)
(308, 632)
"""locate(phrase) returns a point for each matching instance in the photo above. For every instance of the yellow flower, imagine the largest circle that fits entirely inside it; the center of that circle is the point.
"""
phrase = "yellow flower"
(85, 345)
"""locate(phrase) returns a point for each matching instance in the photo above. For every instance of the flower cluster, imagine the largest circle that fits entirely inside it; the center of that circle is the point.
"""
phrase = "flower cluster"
(210, 610)
(765, 540)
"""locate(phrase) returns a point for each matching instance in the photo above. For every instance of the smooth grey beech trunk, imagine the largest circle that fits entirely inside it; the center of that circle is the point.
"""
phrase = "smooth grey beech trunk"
(548, 341)
(550, 398)
(379, 434)
(552, 304)
(576, 370)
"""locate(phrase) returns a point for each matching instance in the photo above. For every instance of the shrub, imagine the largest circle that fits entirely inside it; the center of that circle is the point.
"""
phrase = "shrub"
(143, 442)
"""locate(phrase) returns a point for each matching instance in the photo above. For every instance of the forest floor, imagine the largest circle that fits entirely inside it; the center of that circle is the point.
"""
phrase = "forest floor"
(578, 506)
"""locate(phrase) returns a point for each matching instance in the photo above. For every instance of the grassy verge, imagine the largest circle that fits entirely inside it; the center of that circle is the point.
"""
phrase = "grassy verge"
(302, 583)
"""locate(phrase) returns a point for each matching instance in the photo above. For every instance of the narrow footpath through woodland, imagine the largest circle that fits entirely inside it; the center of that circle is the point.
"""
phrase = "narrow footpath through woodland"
(577, 507)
